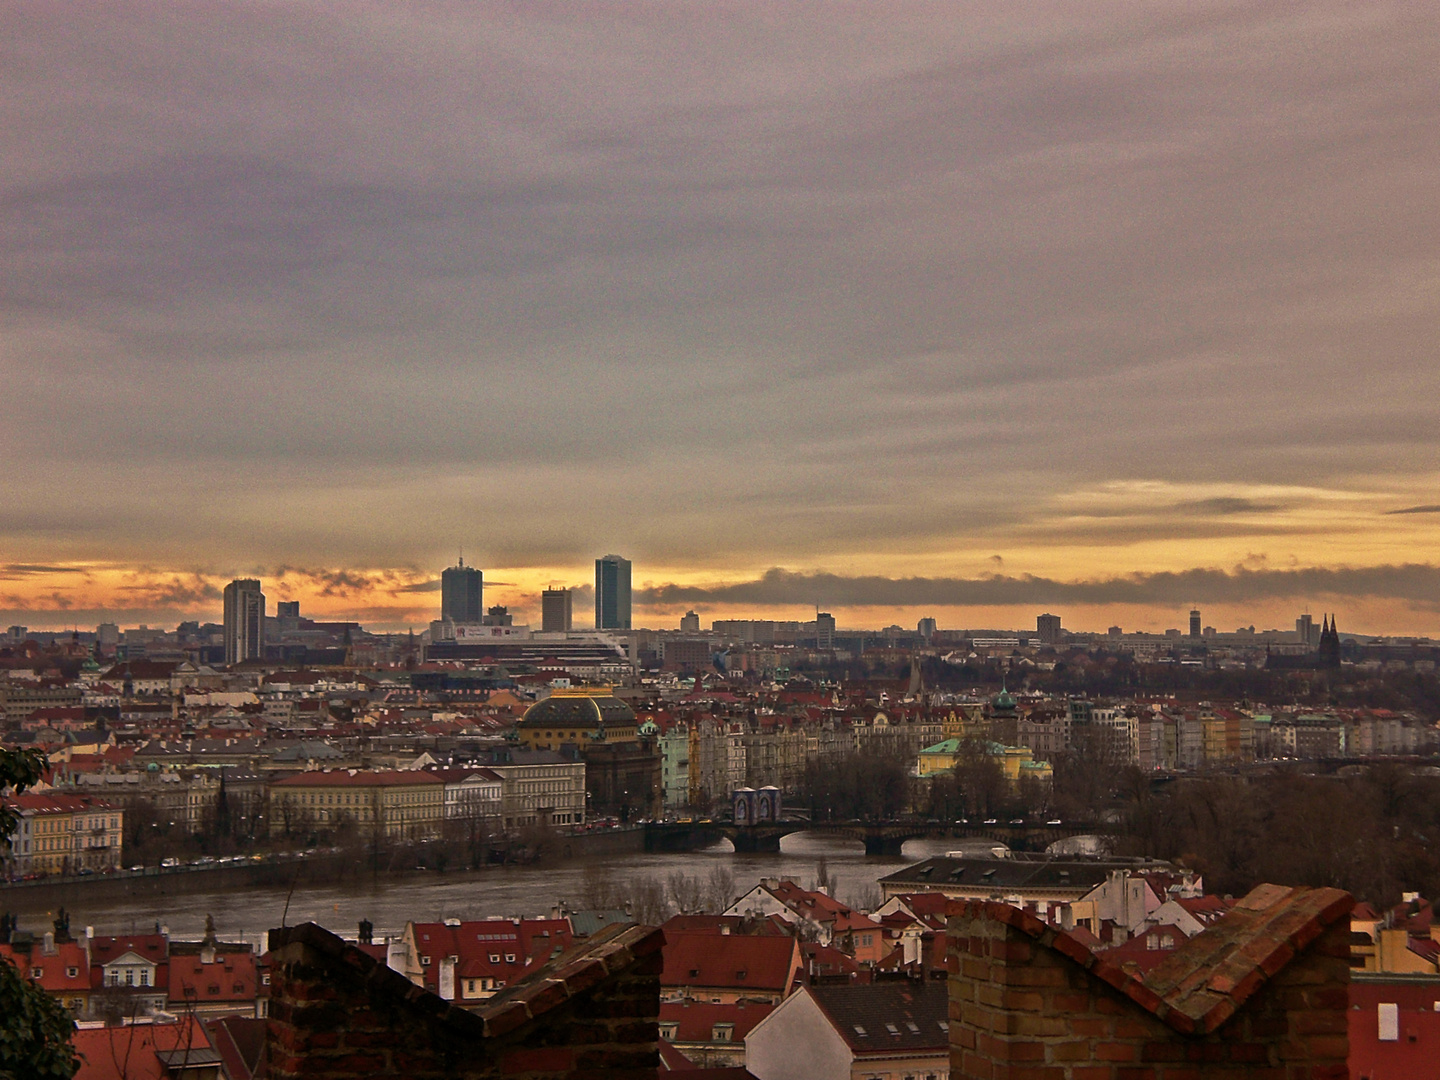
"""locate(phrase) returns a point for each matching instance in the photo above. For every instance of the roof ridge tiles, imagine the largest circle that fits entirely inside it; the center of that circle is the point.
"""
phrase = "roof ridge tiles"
(1204, 982)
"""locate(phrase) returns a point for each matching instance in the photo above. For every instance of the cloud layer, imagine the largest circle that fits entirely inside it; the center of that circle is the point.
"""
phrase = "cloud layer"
(1100, 288)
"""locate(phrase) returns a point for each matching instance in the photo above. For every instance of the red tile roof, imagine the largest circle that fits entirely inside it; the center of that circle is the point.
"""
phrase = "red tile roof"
(133, 1052)
(55, 968)
(531, 942)
(744, 963)
(230, 977)
(695, 1020)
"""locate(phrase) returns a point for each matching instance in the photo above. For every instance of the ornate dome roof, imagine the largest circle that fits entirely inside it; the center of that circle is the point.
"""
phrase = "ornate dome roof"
(569, 708)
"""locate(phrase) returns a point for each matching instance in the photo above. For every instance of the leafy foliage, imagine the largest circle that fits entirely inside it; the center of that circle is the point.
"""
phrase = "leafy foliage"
(34, 1031)
(19, 769)
(34, 1027)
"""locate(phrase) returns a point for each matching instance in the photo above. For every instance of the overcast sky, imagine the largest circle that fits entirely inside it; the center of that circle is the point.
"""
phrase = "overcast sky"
(965, 309)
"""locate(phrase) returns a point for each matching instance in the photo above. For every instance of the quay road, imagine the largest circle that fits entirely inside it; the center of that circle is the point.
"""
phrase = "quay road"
(881, 838)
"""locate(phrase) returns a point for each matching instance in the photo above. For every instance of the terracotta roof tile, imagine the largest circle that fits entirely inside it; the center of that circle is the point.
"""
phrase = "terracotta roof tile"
(1201, 984)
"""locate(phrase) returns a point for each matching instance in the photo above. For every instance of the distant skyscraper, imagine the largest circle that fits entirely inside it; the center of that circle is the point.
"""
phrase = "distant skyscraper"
(926, 628)
(824, 630)
(1195, 622)
(244, 621)
(612, 593)
(690, 623)
(462, 589)
(1308, 632)
(1048, 628)
(556, 610)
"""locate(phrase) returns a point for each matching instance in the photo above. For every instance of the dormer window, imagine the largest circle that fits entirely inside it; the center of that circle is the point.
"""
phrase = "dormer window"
(424, 961)
(722, 1033)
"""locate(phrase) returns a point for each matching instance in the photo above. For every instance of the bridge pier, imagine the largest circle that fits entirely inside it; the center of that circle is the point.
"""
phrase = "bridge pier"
(751, 842)
(884, 845)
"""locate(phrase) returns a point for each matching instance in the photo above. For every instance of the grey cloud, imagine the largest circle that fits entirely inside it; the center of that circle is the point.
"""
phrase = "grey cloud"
(1416, 510)
(852, 277)
(18, 570)
(1419, 583)
(418, 587)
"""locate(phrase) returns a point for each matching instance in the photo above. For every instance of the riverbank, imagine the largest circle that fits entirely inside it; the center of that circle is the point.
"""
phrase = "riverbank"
(155, 884)
(504, 891)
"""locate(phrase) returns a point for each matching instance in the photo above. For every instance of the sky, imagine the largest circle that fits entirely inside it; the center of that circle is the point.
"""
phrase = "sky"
(969, 310)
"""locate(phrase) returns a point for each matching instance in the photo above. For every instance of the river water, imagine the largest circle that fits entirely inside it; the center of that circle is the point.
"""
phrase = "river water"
(501, 891)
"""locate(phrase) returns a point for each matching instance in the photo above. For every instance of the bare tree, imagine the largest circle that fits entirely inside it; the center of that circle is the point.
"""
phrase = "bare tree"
(719, 888)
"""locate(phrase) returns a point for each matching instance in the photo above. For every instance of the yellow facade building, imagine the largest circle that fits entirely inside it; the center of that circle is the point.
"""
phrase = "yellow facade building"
(579, 717)
(63, 834)
(1016, 762)
(402, 804)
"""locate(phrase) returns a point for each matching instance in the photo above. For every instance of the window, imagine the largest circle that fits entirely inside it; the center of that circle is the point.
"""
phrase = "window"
(425, 961)
(72, 972)
(722, 1032)
(509, 957)
(37, 972)
(667, 1031)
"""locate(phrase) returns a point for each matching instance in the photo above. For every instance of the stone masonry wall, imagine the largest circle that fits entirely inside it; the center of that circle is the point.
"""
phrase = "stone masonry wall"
(1021, 1009)
(338, 1014)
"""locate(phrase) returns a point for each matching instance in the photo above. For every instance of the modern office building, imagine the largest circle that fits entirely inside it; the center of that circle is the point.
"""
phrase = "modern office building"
(690, 623)
(244, 621)
(1195, 622)
(557, 611)
(926, 629)
(462, 589)
(612, 593)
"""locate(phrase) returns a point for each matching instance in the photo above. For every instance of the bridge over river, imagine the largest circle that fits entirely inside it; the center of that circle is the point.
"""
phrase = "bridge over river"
(879, 837)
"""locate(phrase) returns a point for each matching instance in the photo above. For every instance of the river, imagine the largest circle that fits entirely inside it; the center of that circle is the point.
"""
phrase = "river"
(501, 891)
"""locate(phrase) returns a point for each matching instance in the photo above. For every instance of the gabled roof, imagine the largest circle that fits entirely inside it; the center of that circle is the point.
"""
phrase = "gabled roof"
(1205, 981)
(532, 943)
(883, 1018)
(154, 947)
(231, 977)
(55, 968)
(743, 963)
(695, 1020)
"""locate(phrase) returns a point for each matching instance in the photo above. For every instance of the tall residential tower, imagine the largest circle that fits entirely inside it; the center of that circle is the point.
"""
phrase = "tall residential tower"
(556, 611)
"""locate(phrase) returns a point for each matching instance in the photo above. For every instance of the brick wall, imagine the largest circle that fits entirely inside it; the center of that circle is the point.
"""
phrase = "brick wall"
(336, 1012)
(1263, 996)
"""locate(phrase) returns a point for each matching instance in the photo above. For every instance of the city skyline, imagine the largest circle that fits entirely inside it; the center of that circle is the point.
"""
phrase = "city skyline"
(960, 311)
